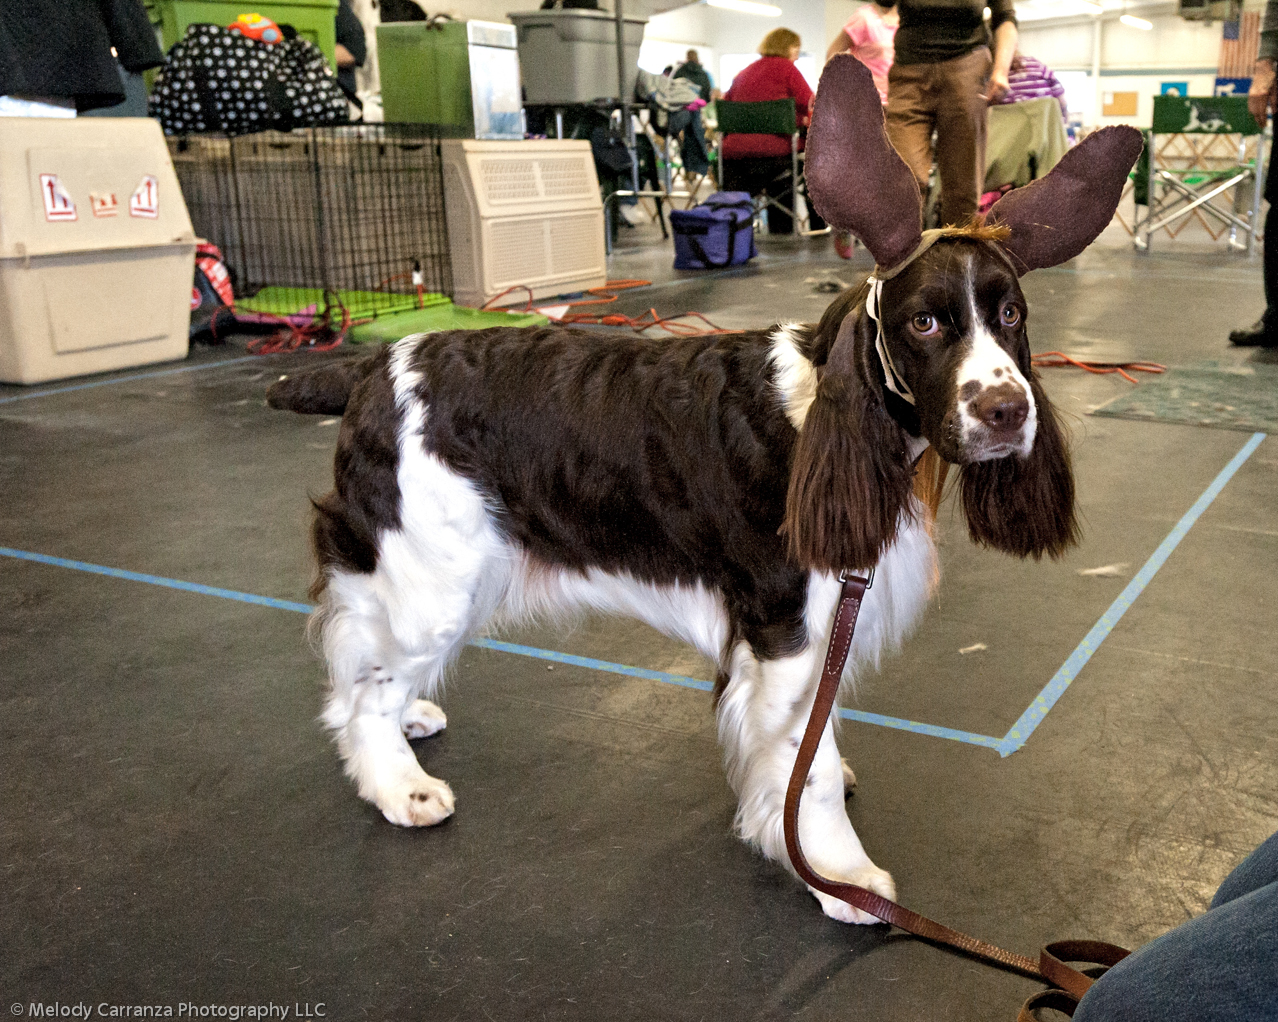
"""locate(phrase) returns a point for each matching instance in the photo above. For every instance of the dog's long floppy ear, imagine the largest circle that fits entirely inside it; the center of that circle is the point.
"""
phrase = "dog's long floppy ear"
(1056, 217)
(856, 180)
(1025, 506)
(850, 480)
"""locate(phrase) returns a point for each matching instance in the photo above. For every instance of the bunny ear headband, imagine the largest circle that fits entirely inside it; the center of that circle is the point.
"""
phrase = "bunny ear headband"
(858, 182)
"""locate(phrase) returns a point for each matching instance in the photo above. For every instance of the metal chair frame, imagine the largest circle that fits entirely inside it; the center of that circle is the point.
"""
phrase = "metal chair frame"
(1193, 130)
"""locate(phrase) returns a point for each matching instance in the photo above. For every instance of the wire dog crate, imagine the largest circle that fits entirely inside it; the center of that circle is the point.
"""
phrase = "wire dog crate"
(328, 226)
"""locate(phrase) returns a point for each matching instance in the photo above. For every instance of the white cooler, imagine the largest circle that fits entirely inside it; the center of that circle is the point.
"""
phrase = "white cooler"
(96, 249)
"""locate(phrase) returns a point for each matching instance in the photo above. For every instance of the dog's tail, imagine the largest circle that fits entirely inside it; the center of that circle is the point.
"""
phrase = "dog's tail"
(320, 391)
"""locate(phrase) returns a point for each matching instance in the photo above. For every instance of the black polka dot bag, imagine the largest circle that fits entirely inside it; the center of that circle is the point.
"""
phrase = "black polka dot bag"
(214, 80)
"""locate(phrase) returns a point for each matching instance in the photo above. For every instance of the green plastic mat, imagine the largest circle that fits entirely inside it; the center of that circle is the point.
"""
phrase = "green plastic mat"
(1240, 397)
(441, 316)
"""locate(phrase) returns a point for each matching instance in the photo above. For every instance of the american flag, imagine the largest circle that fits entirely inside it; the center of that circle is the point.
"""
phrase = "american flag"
(1238, 46)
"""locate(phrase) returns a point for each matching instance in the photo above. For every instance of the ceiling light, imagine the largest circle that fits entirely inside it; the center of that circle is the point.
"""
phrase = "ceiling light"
(747, 7)
(1091, 8)
(1133, 22)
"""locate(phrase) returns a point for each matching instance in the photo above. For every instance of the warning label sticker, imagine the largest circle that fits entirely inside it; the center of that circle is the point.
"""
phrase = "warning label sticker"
(58, 204)
(104, 203)
(145, 200)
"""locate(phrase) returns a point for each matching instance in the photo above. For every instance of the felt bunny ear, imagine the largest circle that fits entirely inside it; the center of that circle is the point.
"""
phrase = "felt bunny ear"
(856, 180)
(1056, 217)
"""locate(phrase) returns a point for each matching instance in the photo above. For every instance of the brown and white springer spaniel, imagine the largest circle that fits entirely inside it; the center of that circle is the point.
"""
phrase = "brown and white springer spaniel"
(713, 487)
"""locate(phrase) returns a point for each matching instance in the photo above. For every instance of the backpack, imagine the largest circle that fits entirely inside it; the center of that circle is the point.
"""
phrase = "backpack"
(212, 296)
(215, 80)
(719, 232)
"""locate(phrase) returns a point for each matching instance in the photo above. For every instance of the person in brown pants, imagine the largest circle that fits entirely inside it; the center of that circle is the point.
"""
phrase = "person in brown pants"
(944, 78)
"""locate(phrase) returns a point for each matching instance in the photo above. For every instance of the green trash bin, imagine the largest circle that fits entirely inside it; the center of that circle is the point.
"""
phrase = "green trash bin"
(315, 20)
(460, 75)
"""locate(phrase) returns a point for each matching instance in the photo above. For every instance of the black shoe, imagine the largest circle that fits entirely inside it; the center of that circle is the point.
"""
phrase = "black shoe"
(1259, 335)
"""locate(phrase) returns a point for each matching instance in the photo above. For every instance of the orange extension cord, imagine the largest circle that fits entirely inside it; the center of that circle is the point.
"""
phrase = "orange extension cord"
(318, 335)
(321, 335)
(609, 293)
(1059, 360)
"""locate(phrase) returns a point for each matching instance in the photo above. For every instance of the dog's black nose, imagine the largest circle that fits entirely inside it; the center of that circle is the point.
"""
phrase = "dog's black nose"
(1003, 408)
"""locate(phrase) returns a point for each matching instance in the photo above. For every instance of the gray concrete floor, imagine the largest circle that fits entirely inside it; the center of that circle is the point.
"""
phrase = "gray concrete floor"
(176, 828)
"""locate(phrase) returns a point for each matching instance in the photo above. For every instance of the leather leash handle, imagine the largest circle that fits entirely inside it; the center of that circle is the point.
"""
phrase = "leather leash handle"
(1051, 966)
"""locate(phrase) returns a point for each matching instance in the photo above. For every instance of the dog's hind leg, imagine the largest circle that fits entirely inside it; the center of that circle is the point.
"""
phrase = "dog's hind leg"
(762, 716)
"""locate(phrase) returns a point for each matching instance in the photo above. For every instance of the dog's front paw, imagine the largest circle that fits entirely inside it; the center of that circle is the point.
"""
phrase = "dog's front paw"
(420, 801)
(422, 719)
(868, 876)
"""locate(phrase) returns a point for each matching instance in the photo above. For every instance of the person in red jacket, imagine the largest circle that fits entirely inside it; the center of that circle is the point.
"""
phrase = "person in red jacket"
(760, 164)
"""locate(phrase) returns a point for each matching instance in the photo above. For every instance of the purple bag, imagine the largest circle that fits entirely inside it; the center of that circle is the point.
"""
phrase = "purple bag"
(717, 233)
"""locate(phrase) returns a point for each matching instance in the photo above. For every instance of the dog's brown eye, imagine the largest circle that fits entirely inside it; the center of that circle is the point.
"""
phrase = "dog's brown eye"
(924, 323)
(1011, 315)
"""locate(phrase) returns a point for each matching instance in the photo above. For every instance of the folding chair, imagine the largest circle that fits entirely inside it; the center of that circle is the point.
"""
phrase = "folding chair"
(769, 117)
(1196, 151)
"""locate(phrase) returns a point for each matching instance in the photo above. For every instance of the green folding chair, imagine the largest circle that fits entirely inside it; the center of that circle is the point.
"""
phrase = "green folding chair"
(1195, 153)
(769, 117)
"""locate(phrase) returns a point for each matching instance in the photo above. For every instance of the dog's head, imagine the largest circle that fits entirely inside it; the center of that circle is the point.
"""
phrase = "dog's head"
(956, 358)
(934, 345)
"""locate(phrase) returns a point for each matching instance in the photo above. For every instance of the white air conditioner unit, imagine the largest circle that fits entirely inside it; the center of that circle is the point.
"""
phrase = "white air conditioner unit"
(522, 213)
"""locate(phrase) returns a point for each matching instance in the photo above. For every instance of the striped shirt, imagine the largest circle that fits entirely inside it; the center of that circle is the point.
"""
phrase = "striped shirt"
(1031, 79)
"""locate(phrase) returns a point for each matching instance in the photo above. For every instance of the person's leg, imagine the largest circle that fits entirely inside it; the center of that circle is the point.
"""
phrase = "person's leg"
(1218, 967)
(739, 175)
(815, 221)
(961, 117)
(1271, 259)
(1264, 332)
(781, 188)
(911, 117)
(751, 174)
(692, 146)
(1258, 870)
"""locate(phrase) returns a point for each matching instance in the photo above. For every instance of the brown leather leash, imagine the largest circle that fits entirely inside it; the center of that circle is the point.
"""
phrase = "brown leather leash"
(1069, 983)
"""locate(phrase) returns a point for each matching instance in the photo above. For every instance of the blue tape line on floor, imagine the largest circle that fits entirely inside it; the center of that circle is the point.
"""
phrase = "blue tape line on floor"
(921, 729)
(1018, 734)
(127, 379)
(594, 665)
(1015, 738)
(157, 580)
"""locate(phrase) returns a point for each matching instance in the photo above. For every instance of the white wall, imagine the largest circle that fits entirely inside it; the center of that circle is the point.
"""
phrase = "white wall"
(718, 32)
(1132, 60)
(709, 30)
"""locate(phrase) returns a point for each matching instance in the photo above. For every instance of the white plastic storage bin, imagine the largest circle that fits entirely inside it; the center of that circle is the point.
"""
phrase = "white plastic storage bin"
(96, 250)
(571, 56)
(522, 213)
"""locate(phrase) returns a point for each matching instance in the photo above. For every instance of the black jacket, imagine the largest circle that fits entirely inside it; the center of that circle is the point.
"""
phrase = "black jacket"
(62, 48)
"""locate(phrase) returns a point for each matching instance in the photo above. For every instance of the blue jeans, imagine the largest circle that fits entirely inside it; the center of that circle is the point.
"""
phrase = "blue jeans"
(1220, 967)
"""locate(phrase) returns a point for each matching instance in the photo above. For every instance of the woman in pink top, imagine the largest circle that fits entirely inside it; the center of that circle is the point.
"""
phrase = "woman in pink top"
(868, 36)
